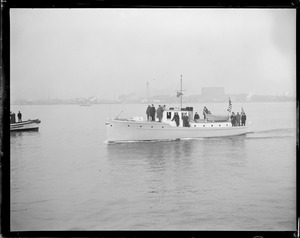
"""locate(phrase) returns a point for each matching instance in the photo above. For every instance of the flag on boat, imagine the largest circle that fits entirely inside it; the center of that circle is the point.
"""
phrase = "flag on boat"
(242, 110)
(179, 94)
(229, 106)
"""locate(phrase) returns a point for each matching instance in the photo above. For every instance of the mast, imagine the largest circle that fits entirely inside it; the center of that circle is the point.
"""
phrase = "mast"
(181, 92)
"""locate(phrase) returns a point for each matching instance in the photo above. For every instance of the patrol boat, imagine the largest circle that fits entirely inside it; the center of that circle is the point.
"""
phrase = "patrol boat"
(139, 129)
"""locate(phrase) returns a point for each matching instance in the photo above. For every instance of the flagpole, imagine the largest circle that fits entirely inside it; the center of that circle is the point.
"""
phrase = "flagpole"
(181, 92)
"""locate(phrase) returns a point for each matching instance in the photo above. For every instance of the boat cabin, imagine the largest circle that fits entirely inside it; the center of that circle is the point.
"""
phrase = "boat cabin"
(168, 115)
(215, 121)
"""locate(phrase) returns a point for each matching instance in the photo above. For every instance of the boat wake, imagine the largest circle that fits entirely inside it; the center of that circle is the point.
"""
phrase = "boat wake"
(272, 133)
(278, 130)
(139, 141)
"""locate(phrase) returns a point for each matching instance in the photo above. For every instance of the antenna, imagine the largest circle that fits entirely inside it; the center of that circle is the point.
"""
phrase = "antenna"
(181, 92)
(148, 91)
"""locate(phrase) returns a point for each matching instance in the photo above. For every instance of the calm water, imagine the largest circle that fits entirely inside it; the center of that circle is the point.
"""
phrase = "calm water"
(65, 177)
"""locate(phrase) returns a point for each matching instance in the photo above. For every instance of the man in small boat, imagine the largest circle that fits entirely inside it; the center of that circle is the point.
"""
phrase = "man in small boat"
(152, 112)
(196, 117)
(148, 112)
(19, 116)
(176, 118)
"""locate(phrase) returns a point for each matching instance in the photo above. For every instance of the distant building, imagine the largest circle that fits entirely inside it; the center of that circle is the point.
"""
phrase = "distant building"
(213, 93)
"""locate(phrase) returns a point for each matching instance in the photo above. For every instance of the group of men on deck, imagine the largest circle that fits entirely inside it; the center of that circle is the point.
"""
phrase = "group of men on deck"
(238, 119)
(151, 111)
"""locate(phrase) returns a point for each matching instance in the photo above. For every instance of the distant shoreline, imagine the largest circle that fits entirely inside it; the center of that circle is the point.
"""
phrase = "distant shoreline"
(144, 103)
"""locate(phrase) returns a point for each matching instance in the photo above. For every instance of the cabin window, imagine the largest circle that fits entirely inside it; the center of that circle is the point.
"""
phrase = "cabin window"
(226, 124)
(212, 125)
(203, 125)
(110, 125)
(162, 127)
(169, 115)
(140, 126)
(151, 126)
(194, 125)
(128, 126)
(219, 125)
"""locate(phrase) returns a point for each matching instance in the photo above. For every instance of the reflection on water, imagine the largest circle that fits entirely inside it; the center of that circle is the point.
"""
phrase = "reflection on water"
(15, 134)
(159, 150)
(183, 154)
(150, 150)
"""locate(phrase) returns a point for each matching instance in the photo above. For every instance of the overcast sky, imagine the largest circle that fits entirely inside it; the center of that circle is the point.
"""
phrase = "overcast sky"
(66, 53)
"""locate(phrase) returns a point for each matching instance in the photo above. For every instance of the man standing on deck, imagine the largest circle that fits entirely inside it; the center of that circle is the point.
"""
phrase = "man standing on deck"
(152, 112)
(148, 112)
(205, 111)
(196, 117)
(232, 117)
(243, 119)
(238, 119)
(176, 118)
(159, 113)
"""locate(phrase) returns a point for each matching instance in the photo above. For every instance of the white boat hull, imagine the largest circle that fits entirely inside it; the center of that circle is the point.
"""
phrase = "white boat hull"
(127, 130)
(30, 125)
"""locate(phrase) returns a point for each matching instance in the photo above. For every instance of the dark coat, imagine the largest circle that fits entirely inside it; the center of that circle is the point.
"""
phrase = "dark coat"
(185, 121)
(159, 112)
(233, 119)
(152, 111)
(238, 118)
(176, 118)
(243, 118)
(148, 110)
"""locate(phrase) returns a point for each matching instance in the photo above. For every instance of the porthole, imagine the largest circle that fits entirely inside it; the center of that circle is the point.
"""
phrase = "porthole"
(219, 125)
(151, 126)
(110, 125)
(212, 125)
(226, 124)
(162, 127)
(128, 126)
(194, 125)
(203, 125)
